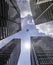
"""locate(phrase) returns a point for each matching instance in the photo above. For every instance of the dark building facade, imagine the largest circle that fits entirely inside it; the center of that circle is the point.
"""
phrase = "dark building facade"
(42, 11)
(10, 21)
(9, 54)
(41, 51)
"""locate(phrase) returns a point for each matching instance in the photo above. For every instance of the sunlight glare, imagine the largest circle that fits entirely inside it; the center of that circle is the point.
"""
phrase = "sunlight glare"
(27, 45)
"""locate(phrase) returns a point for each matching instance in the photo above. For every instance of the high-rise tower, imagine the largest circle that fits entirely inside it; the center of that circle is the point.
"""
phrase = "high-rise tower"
(9, 54)
(10, 21)
(41, 51)
(42, 11)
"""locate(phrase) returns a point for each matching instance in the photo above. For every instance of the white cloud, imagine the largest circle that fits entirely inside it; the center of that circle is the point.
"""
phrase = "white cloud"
(24, 7)
(46, 28)
(25, 13)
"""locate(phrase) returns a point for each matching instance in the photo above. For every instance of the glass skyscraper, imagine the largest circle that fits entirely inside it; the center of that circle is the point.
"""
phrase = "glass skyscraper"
(41, 51)
(10, 21)
(9, 54)
(42, 11)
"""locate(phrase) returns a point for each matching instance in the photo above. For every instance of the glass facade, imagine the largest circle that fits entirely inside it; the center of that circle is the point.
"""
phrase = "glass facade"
(10, 21)
(41, 11)
(41, 51)
(9, 54)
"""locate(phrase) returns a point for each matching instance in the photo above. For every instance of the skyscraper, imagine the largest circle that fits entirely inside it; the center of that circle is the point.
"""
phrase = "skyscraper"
(9, 54)
(10, 21)
(42, 11)
(41, 51)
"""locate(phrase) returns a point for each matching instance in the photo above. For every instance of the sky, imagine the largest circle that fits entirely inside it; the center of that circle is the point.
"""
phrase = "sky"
(28, 29)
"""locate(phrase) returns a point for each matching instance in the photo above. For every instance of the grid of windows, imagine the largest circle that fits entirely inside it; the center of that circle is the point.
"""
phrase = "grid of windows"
(10, 21)
(42, 12)
(10, 53)
(41, 51)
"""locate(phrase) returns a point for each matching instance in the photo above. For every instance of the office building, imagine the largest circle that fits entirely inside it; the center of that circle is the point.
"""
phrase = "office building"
(9, 54)
(41, 51)
(10, 21)
(42, 11)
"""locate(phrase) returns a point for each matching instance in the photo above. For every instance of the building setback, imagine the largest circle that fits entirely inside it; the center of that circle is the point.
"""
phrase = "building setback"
(41, 51)
(10, 21)
(42, 11)
(9, 54)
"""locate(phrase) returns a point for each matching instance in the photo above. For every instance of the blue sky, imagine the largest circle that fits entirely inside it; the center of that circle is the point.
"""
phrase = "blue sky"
(24, 35)
(39, 30)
